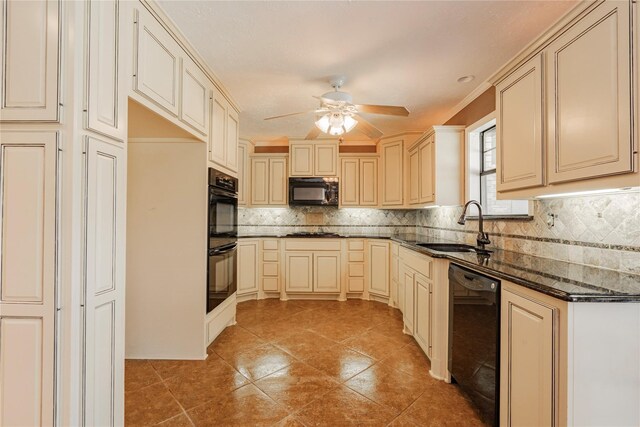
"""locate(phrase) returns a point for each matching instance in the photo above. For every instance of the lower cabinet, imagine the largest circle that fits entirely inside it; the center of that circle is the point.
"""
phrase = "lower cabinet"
(423, 312)
(326, 271)
(378, 267)
(355, 266)
(527, 343)
(408, 285)
(298, 267)
(270, 265)
(313, 265)
(247, 267)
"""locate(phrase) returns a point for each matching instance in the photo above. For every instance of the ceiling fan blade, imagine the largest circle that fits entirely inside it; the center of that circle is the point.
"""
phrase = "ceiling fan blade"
(390, 110)
(368, 129)
(313, 133)
(290, 114)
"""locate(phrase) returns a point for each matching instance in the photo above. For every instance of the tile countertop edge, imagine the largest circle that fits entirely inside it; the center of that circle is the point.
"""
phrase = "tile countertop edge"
(539, 287)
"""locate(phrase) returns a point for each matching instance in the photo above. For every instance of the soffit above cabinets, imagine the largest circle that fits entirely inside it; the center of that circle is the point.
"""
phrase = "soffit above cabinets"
(273, 56)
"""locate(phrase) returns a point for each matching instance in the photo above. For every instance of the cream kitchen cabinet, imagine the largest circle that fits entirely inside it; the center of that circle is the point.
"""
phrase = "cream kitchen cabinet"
(28, 174)
(223, 134)
(156, 63)
(106, 99)
(195, 90)
(268, 180)
(30, 56)
(407, 276)
(378, 273)
(313, 158)
(395, 300)
(423, 312)
(565, 107)
(248, 250)
(391, 173)
(358, 181)
(435, 162)
(356, 265)
(244, 173)
(270, 265)
(520, 138)
(313, 265)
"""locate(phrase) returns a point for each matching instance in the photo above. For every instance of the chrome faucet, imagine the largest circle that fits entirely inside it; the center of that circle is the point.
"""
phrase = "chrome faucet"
(483, 238)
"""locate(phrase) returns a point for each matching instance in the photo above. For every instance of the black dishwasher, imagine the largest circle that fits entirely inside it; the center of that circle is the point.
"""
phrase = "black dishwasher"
(474, 338)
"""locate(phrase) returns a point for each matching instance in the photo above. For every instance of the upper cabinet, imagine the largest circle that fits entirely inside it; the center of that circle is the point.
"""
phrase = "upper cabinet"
(358, 181)
(194, 102)
(391, 173)
(269, 180)
(105, 94)
(519, 121)
(434, 167)
(244, 173)
(157, 63)
(223, 135)
(313, 158)
(30, 57)
(589, 96)
(566, 109)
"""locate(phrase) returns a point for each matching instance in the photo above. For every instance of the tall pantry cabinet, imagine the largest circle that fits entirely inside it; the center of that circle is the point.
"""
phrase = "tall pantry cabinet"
(63, 193)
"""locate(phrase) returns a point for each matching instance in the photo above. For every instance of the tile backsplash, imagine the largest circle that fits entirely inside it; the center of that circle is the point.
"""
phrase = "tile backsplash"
(602, 230)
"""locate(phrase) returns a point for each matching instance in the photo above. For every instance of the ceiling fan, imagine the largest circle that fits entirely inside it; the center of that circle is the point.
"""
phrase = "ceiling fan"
(338, 115)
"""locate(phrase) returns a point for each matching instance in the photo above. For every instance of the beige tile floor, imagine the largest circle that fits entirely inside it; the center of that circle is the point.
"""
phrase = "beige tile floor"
(299, 363)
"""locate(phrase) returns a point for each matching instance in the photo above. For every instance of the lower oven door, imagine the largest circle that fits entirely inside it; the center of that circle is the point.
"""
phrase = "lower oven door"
(221, 275)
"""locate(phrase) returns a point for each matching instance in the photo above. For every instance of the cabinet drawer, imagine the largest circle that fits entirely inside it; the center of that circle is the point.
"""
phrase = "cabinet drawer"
(420, 263)
(356, 256)
(270, 256)
(355, 285)
(312, 245)
(270, 269)
(270, 245)
(270, 284)
(356, 270)
(356, 245)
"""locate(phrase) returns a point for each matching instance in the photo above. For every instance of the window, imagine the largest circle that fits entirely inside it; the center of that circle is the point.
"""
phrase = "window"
(481, 172)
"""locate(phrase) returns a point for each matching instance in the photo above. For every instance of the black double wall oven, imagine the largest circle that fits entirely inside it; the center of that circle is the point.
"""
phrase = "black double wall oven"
(222, 268)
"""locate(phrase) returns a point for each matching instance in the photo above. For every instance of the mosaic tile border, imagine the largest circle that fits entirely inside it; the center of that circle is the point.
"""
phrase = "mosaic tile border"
(543, 239)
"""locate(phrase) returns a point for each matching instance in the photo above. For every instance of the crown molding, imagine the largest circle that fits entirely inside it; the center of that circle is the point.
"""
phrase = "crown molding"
(479, 90)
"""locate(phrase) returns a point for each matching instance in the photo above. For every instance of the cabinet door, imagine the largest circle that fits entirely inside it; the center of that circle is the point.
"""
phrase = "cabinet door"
(106, 99)
(379, 268)
(422, 327)
(520, 161)
(194, 97)
(589, 86)
(247, 267)
(27, 277)
(298, 267)
(409, 296)
(301, 159)
(218, 130)
(233, 129)
(427, 168)
(243, 175)
(392, 171)
(368, 182)
(157, 72)
(278, 181)
(414, 177)
(29, 32)
(325, 160)
(104, 284)
(326, 271)
(350, 182)
(527, 345)
(260, 181)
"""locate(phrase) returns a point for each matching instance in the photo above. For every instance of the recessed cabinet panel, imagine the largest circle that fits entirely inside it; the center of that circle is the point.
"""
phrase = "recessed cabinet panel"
(105, 96)
(368, 182)
(157, 74)
(217, 134)
(520, 139)
(349, 182)
(260, 181)
(277, 181)
(247, 267)
(423, 301)
(233, 131)
(527, 382)
(326, 160)
(194, 98)
(299, 271)
(379, 268)
(301, 159)
(326, 271)
(427, 168)
(29, 71)
(414, 177)
(392, 172)
(589, 87)
(408, 288)
(244, 174)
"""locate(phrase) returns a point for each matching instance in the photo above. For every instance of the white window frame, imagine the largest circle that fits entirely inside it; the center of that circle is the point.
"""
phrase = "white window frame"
(472, 166)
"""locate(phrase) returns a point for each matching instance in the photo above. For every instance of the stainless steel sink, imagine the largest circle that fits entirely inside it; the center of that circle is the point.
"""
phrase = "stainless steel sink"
(452, 247)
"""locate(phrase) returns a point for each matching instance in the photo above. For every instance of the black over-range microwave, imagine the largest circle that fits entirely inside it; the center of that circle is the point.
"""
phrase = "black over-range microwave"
(313, 191)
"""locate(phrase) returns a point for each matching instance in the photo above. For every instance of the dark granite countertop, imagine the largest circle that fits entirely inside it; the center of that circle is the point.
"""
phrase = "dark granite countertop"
(559, 279)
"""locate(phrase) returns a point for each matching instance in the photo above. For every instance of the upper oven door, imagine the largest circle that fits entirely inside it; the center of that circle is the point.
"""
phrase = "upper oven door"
(223, 217)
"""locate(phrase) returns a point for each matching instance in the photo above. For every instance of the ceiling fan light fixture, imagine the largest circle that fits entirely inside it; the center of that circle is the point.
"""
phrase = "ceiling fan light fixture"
(335, 131)
(349, 123)
(323, 123)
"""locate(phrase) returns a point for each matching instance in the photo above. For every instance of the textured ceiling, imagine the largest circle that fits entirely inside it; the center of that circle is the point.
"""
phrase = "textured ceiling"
(273, 56)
